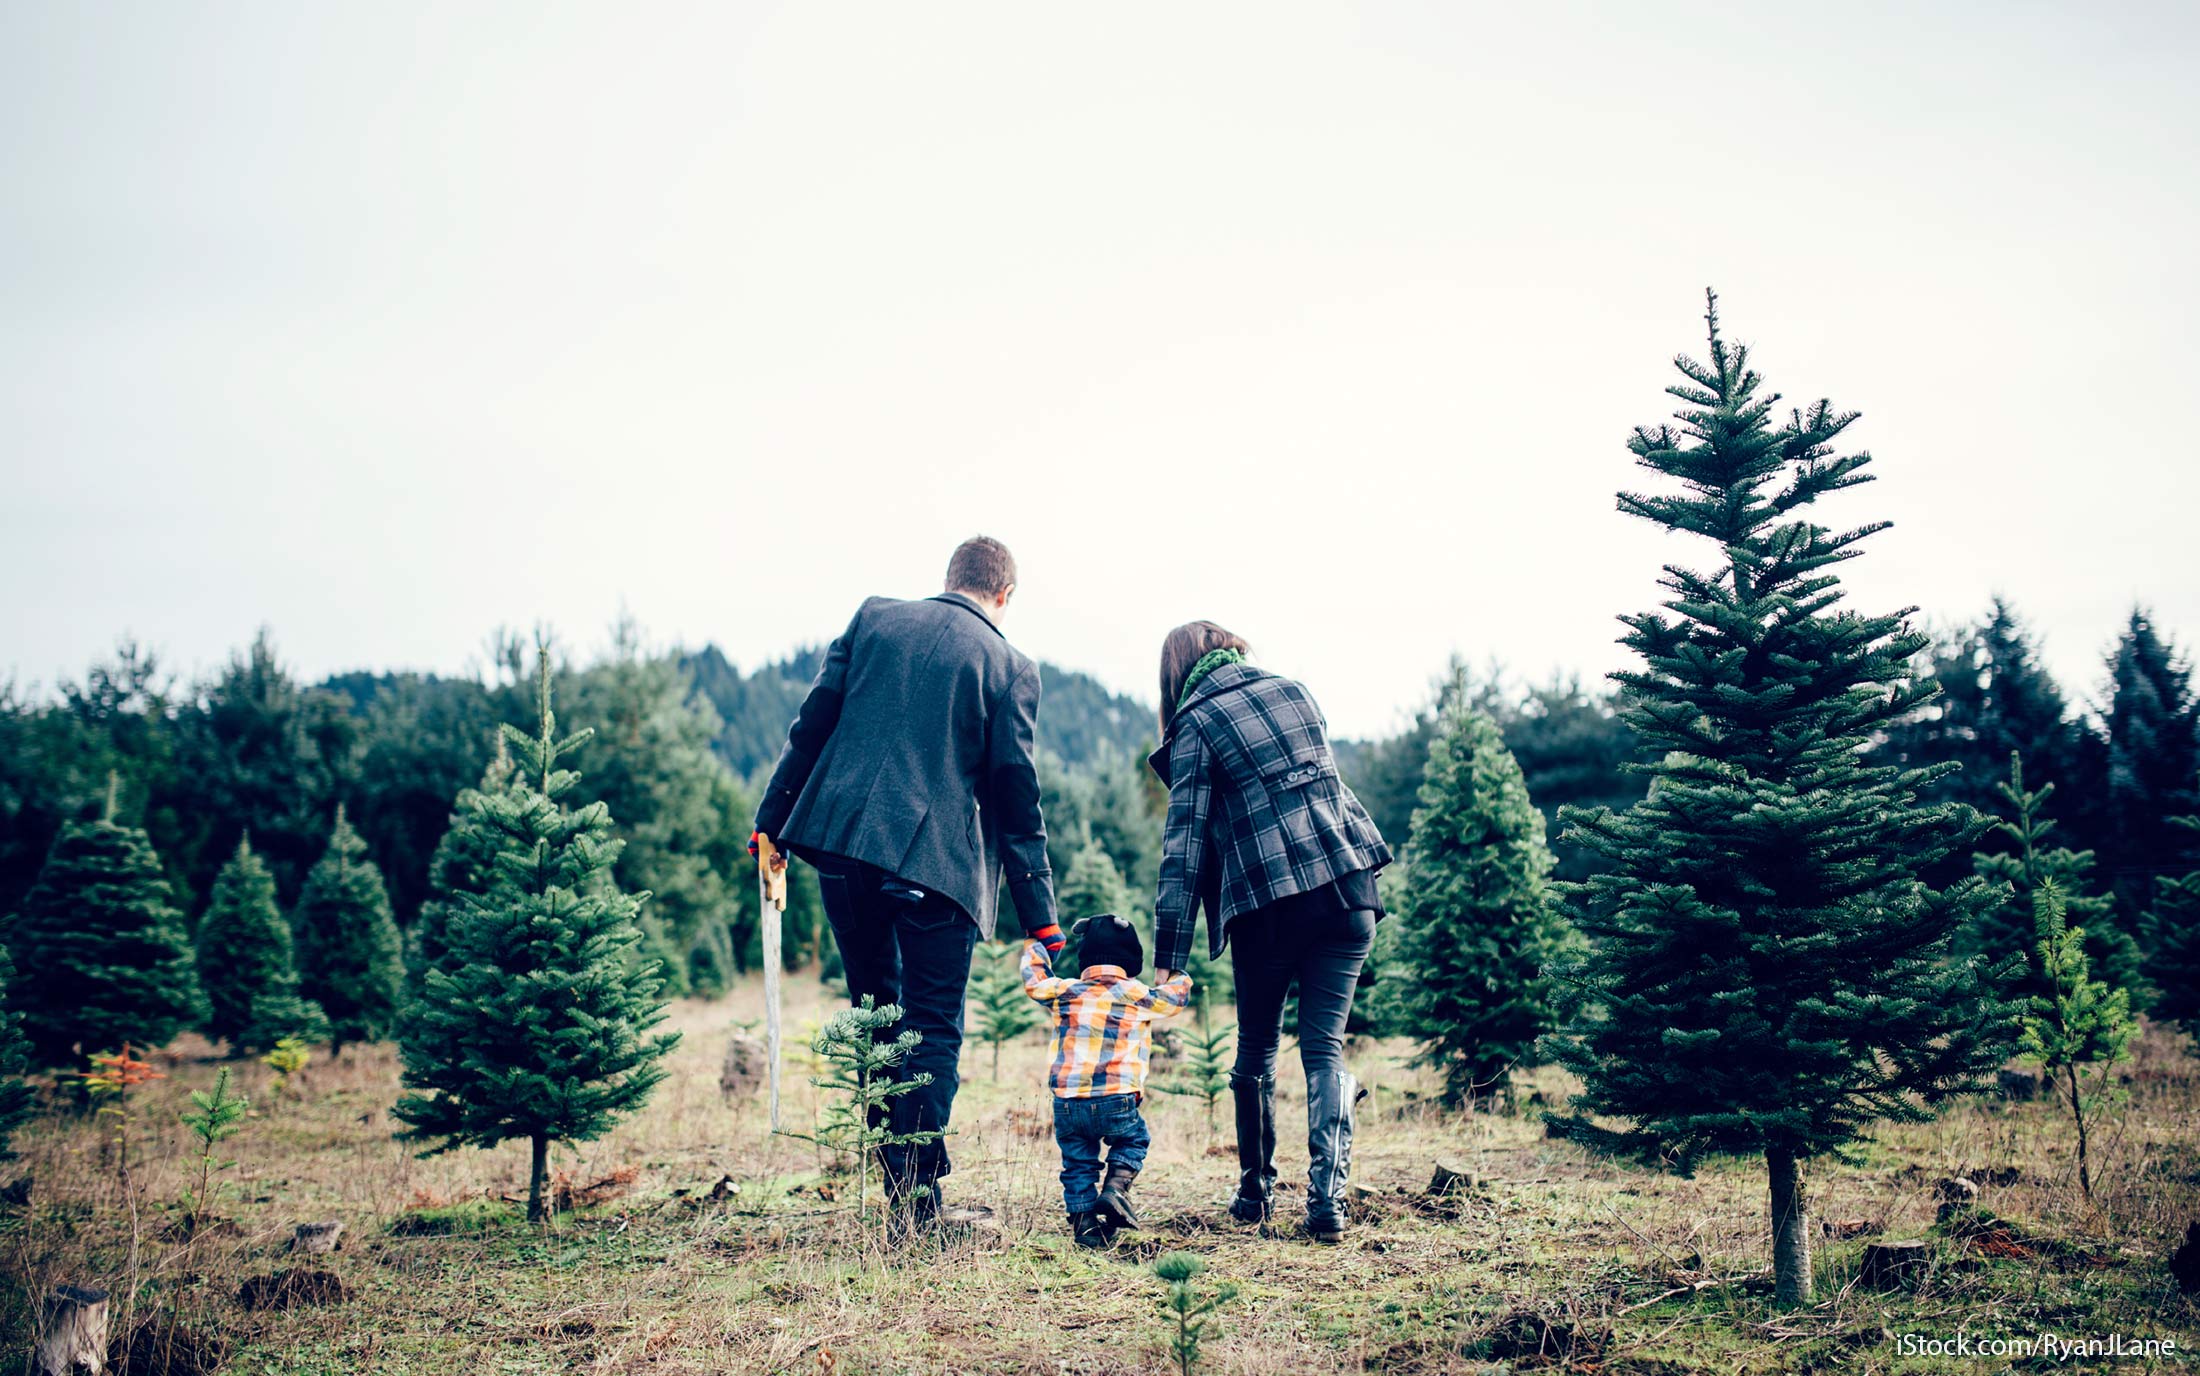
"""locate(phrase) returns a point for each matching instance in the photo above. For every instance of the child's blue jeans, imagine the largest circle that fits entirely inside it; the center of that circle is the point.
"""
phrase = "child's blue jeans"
(1081, 1128)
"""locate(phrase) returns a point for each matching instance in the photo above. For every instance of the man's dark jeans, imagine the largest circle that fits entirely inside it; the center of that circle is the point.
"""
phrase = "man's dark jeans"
(1081, 1127)
(910, 947)
(1324, 954)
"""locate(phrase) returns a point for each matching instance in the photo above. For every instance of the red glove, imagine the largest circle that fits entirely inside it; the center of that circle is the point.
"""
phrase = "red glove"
(1050, 936)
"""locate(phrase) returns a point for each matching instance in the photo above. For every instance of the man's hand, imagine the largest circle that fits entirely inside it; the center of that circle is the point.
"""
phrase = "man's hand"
(779, 857)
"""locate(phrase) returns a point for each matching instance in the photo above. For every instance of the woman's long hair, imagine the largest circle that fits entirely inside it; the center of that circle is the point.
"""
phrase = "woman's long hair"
(1181, 650)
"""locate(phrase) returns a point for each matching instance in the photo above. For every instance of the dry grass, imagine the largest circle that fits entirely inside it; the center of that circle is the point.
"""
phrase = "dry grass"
(1556, 1259)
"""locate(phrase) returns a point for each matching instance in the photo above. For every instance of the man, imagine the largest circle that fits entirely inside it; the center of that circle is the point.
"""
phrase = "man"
(907, 781)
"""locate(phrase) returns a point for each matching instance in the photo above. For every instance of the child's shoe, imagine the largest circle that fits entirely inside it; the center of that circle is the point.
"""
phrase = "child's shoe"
(1088, 1230)
(1115, 1198)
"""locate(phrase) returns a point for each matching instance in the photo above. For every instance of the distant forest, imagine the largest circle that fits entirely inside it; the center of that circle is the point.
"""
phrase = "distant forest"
(683, 739)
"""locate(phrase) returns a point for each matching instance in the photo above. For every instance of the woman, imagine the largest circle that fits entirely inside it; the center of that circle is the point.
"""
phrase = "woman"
(1264, 834)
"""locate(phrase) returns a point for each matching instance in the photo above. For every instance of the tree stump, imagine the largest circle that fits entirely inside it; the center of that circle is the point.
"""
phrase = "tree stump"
(744, 1070)
(72, 1332)
(1889, 1264)
(311, 1239)
(2184, 1263)
(1451, 1176)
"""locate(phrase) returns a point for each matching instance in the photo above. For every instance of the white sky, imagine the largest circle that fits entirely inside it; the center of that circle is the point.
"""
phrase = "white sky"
(387, 324)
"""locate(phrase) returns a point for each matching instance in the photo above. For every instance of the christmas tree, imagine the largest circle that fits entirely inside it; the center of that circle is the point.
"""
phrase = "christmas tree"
(464, 866)
(1003, 1010)
(2077, 1022)
(2173, 935)
(2009, 932)
(1996, 699)
(1768, 974)
(350, 957)
(15, 1051)
(108, 959)
(1481, 925)
(2152, 759)
(1092, 885)
(245, 964)
(535, 1022)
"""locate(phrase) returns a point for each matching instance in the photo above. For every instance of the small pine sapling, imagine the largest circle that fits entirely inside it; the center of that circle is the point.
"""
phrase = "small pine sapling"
(860, 1060)
(213, 1118)
(2079, 1022)
(112, 1076)
(1206, 1071)
(1184, 1304)
(289, 1056)
(1003, 1011)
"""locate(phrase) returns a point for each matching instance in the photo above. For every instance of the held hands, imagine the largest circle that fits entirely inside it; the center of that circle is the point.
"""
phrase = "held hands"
(1050, 937)
(779, 857)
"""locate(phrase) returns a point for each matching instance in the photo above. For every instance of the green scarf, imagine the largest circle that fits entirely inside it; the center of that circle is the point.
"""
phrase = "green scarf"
(1208, 663)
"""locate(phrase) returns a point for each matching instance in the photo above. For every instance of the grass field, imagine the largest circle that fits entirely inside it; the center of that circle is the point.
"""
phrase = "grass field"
(1553, 1259)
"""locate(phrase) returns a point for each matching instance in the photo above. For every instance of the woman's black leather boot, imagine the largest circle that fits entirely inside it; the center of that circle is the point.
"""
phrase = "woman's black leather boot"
(1255, 1096)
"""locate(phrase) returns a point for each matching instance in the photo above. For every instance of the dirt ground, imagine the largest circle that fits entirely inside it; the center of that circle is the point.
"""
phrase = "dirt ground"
(701, 1243)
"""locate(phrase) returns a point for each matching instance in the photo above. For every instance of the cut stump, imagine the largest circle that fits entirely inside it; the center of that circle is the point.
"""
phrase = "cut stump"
(2184, 1263)
(72, 1332)
(311, 1239)
(1450, 1176)
(746, 1067)
(1889, 1264)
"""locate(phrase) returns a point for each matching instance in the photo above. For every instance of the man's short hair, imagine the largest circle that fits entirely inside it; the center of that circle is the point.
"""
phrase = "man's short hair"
(981, 564)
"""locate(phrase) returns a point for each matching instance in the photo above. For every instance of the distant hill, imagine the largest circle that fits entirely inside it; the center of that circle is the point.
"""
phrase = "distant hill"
(1080, 720)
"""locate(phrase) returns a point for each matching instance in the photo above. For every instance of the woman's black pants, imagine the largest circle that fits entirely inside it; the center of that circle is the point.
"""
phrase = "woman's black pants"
(1324, 954)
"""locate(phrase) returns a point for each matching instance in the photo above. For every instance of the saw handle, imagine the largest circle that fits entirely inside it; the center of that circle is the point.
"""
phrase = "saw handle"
(771, 871)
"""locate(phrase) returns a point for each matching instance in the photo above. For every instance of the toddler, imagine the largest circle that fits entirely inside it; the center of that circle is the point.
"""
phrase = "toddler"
(1102, 1031)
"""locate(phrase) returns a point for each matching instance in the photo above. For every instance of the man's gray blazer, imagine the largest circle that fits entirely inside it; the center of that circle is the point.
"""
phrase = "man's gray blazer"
(913, 752)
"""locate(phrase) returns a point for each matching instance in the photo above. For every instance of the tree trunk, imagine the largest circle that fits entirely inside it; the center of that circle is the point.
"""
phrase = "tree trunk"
(2077, 1114)
(537, 1171)
(1791, 1279)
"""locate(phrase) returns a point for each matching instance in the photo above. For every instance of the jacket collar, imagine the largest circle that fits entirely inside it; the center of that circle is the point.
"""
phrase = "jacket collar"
(1104, 974)
(956, 599)
(1219, 681)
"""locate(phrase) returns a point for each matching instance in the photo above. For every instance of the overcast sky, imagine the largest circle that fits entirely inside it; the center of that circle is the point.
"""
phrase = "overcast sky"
(384, 325)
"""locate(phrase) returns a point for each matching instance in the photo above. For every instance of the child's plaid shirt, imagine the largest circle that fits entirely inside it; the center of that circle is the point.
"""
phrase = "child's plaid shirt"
(1102, 1024)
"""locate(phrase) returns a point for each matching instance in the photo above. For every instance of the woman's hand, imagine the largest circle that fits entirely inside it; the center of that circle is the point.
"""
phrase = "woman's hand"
(1164, 976)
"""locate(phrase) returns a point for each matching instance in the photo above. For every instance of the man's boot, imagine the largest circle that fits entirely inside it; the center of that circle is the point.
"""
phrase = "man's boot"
(1088, 1230)
(1115, 1198)
(1255, 1096)
(1330, 1097)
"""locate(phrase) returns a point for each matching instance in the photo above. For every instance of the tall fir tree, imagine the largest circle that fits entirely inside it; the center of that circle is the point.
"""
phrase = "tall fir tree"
(1092, 885)
(1768, 974)
(350, 956)
(2151, 760)
(2173, 936)
(1481, 926)
(536, 1023)
(258, 751)
(2009, 932)
(246, 964)
(1996, 699)
(464, 865)
(650, 762)
(15, 1055)
(109, 955)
